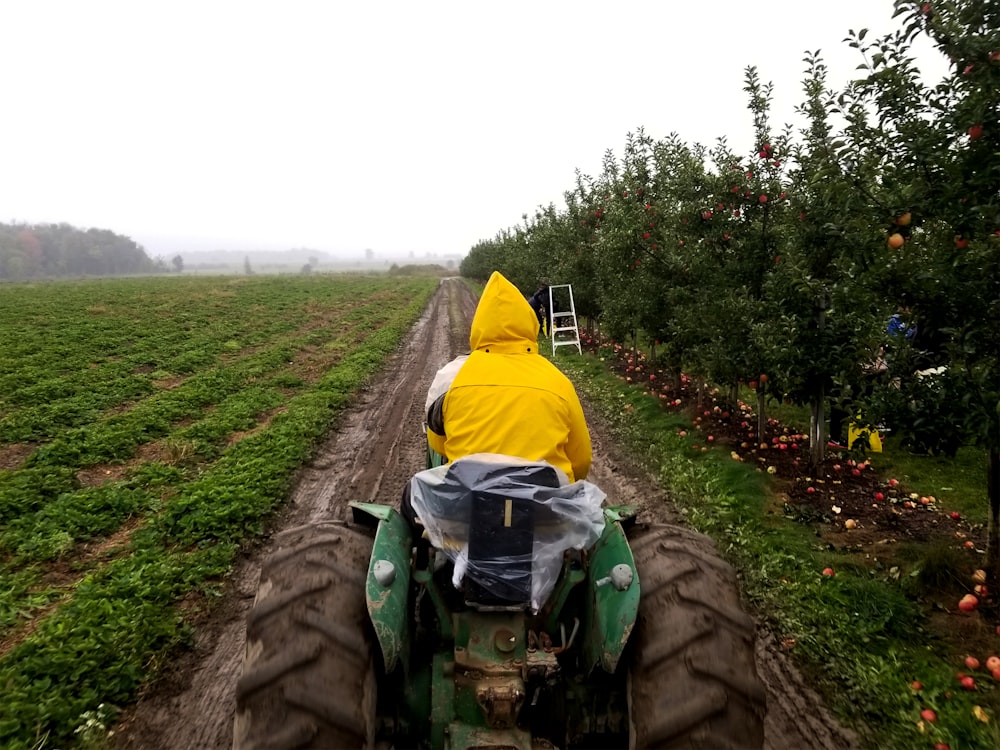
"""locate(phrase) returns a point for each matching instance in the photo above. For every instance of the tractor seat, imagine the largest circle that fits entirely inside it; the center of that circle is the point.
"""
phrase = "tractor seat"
(502, 539)
(505, 523)
(501, 550)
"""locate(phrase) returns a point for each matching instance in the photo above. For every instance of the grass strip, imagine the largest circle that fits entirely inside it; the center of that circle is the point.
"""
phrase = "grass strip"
(858, 635)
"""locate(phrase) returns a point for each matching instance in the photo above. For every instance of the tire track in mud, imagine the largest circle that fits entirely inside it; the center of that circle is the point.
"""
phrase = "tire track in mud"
(373, 450)
(379, 443)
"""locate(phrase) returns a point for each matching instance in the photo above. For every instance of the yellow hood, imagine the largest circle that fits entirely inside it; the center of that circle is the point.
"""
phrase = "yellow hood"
(504, 321)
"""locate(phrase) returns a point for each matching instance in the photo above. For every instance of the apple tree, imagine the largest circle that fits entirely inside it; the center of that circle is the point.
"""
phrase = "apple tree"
(824, 337)
(940, 150)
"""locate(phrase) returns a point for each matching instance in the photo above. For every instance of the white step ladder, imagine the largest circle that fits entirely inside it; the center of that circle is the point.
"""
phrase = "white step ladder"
(564, 331)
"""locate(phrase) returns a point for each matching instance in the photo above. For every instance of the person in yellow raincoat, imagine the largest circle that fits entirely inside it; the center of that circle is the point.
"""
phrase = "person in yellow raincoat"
(504, 397)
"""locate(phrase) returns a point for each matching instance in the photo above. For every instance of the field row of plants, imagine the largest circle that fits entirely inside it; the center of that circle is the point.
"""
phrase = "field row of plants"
(784, 266)
(147, 429)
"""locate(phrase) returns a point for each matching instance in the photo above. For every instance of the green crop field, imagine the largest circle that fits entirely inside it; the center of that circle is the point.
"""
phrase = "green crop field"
(147, 429)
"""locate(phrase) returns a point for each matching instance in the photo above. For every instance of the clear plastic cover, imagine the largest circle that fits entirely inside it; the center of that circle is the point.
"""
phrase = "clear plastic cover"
(505, 522)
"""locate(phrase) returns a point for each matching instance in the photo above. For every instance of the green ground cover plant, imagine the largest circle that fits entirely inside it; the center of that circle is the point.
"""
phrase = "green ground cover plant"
(147, 429)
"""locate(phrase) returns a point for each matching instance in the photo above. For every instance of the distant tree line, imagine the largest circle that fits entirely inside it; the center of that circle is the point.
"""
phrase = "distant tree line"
(30, 251)
(413, 269)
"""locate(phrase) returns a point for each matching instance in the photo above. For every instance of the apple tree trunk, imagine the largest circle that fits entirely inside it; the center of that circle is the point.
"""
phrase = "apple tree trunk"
(817, 402)
(993, 537)
(817, 426)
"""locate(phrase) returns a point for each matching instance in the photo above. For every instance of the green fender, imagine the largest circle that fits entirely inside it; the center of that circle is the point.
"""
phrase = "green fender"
(387, 592)
(613, 610)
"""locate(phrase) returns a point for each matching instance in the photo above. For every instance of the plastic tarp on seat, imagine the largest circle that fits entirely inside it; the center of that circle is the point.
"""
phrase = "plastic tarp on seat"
(538, 515)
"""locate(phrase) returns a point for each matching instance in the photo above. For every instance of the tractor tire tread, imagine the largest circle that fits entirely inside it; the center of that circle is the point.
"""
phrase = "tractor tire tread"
(308, 674)
(693, 681)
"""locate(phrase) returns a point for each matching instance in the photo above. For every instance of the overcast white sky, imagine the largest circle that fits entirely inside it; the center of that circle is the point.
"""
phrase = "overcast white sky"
(396, 126)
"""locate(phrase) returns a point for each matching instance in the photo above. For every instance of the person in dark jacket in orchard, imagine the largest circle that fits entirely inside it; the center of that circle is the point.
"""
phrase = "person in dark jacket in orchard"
(539, 302)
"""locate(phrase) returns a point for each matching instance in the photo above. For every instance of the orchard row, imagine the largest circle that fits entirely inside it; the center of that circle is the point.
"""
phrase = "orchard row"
(790, 261)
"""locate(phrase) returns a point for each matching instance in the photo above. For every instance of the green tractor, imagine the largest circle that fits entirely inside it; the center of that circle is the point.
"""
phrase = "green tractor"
(509, 622)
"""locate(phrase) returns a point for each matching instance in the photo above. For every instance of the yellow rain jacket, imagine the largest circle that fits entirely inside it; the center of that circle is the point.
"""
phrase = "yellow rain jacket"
(507, 398)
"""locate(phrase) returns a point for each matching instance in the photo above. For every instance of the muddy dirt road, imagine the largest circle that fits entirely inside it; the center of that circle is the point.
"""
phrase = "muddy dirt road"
(377, 445)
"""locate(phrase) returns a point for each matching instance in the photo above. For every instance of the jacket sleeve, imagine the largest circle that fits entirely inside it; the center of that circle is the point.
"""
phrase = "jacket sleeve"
(435, 425)
(435, 403)
(578, 447)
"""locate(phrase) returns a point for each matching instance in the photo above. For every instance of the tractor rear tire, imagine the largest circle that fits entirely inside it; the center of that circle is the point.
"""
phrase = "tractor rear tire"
(693, 681)
(308, 676)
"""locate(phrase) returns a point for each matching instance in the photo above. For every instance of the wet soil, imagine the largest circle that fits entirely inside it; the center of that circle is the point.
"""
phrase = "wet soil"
(369, 456)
